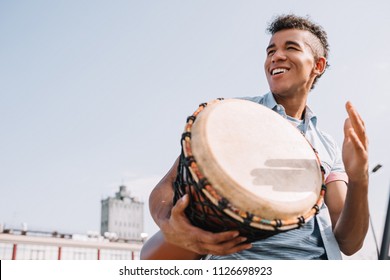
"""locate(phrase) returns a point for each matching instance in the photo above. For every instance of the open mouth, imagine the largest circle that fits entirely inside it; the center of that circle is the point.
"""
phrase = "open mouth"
(278, 71)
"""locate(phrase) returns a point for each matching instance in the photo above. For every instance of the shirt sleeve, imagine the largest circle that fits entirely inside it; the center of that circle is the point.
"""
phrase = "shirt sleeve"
(337, 172)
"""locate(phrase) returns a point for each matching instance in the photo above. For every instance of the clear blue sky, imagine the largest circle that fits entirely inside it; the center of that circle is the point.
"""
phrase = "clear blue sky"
(94, 94)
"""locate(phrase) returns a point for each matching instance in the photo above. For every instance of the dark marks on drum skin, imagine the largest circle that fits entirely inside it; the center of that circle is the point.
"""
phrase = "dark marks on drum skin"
(283, 174)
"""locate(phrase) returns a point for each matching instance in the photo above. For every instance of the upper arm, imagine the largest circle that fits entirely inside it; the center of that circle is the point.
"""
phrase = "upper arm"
(335, 177)
(335, 198)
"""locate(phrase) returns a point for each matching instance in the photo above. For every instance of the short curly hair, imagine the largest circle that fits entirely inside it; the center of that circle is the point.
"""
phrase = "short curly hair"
(291, 21)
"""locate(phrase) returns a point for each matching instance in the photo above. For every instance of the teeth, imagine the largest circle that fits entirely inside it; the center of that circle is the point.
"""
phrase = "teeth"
(278, 71)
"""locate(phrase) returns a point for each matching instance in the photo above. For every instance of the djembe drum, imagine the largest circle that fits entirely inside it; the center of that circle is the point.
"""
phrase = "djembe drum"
(246, 168)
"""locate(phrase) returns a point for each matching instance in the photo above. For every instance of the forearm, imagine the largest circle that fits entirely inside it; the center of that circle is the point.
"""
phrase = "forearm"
(161, 198)
(160, 205)
(352, 225)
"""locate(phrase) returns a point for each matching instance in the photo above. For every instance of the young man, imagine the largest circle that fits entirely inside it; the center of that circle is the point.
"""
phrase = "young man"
(296, 57)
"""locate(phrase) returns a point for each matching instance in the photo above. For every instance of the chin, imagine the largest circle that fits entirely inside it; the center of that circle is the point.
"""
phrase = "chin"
(277, 88)
(278, 91)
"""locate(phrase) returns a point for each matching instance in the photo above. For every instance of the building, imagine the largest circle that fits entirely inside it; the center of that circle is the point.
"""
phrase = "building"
(121, 238)
(38, 245)
(122, 216)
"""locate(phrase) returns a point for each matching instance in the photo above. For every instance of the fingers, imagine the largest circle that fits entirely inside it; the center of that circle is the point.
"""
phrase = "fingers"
(356, 122)
(181, 205)
(353, 137)
(202, 235)
(216, 238)
(183, 202)
(347, 127)
(230, 247)
(222, 237)
(353, 114)
(222, 243)
(227, 246)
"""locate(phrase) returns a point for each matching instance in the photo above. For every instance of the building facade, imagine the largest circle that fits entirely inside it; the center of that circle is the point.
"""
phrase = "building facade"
(122, 216)
(45, 246)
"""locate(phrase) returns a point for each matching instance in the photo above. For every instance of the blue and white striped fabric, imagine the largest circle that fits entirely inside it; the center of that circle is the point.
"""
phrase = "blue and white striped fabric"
(304, 243)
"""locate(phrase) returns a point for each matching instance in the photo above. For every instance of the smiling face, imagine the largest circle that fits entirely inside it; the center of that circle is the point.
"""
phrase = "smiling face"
(291, 65)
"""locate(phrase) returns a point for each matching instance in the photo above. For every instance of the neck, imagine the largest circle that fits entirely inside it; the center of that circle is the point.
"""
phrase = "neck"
(294, 106)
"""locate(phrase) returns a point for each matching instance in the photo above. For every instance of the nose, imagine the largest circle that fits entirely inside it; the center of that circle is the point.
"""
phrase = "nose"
(278, 55)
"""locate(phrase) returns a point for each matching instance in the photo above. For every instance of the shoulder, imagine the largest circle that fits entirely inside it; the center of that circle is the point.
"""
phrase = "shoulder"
(257, 99)
(331, 158)
(328, 139)
(261, 99)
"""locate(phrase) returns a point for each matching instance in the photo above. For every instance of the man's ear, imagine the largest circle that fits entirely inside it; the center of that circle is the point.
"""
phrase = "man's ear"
(320, 66)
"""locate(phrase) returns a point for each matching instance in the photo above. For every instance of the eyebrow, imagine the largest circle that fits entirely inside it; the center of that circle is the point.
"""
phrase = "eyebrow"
(286, 43)
(270, 47)
(293, 43)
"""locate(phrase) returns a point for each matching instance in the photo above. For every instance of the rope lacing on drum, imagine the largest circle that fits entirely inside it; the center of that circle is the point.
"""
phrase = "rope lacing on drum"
(191, 118)
(203, 182)
(185, 135)
(316, 208)
(249, 218)
(223, 203)
(189, 160)
(278, 222)
(301, 221)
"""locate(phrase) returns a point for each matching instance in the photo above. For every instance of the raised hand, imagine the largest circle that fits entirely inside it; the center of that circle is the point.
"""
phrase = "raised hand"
(355, 146)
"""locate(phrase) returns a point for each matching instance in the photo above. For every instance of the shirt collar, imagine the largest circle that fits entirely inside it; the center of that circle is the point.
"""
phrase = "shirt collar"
(270, 102)
(310, 116)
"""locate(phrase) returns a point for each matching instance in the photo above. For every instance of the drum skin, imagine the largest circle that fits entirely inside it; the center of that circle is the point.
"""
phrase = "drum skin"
(256, 159)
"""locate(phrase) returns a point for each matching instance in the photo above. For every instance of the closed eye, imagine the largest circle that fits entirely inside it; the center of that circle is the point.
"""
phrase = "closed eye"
(292, 48)
(291, 45)
(270, 49)
(270, 52)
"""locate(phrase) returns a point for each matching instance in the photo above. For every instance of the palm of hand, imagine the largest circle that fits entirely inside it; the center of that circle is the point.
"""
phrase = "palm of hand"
(355, 146)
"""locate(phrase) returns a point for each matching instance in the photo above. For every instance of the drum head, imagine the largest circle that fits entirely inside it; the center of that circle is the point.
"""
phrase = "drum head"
(256, 159)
